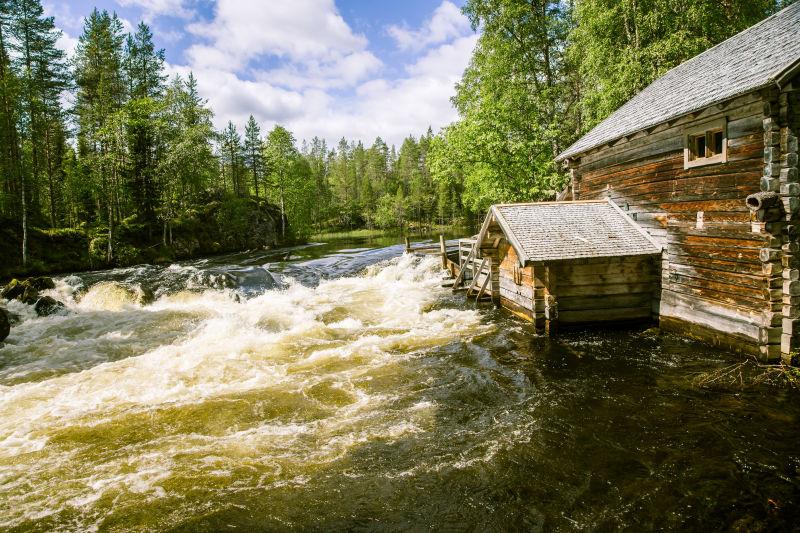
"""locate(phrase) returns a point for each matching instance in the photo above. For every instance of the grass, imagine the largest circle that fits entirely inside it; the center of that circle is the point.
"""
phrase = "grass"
(364, 232)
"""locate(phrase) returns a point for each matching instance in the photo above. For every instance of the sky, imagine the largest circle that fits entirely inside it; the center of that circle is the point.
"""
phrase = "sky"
(357, 69)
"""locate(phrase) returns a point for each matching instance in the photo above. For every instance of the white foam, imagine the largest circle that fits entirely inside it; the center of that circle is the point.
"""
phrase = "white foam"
(286, 341)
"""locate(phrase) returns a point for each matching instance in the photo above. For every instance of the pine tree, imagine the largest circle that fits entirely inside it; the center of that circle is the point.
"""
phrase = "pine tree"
(43, 78)
(100, 96)
(14, 193)
(231, 151)
(144, 73)
(252, 151)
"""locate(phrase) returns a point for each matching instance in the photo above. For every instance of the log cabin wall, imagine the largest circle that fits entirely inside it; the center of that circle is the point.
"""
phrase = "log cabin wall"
(614, 289)
(516, 289)
(783, 112)
(713, 282)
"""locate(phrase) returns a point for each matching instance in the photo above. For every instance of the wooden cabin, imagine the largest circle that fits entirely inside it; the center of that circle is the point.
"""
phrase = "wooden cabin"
(681, 159)
(570, 263)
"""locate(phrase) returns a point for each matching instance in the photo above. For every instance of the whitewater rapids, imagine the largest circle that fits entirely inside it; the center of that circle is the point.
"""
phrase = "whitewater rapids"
(116, 403)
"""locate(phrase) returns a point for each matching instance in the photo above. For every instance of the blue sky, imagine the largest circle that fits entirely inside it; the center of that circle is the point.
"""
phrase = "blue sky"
(332, 68)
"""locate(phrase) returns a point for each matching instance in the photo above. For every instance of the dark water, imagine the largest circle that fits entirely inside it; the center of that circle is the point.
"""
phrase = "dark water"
(297, 390)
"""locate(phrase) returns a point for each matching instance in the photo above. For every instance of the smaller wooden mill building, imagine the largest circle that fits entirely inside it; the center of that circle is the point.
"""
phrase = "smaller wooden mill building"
(699, 173)
(570, 262)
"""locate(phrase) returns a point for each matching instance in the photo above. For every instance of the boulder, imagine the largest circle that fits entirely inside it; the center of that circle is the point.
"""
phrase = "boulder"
(27, 291)
(14, 289)
(29, 295)
(5, 325)
(46, 306)
(42, 283)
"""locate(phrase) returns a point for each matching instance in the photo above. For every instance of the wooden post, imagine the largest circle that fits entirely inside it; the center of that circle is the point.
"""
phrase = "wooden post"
(494, 272)
(443, 249)
(550, 302)
(408, 244)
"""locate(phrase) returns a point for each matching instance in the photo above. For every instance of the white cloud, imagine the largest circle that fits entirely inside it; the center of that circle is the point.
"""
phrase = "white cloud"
(67, 43)
(300, 64)
(298, 30)
(394, 109)
(446, 23)
(64, 17)
(154, 8)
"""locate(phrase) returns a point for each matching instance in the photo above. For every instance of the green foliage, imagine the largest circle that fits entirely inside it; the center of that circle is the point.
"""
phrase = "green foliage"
(145, 176)
(620, 47)
(515, 102)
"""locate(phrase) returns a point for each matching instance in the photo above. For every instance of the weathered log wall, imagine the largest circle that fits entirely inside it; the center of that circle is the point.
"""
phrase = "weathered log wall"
(713, 270)
(610, 290)
(514, 296)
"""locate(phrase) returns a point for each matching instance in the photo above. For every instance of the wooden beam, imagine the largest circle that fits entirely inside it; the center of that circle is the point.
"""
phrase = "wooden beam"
(475, 277)
(483, 287)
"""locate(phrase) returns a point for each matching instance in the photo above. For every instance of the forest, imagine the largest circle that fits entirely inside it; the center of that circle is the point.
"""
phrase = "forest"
(104, 160)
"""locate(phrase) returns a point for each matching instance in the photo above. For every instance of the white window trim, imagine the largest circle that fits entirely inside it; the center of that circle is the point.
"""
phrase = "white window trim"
(721, 123)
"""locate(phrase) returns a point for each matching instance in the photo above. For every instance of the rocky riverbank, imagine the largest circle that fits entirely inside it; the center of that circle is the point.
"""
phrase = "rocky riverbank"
(217, 226)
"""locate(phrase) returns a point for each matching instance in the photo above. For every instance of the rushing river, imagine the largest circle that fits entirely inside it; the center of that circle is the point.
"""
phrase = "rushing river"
(339, 386)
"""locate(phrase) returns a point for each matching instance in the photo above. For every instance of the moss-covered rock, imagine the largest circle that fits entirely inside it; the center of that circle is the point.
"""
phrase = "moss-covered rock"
(47, 305)
(41, 283)
(29, 296)
(13, 290)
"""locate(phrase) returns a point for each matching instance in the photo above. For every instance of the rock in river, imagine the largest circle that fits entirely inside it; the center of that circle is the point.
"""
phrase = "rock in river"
(46, 306)
(14, 289)
(27, 291)
(5, 326)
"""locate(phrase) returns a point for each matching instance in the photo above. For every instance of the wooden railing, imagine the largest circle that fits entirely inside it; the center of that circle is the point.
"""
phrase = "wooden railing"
(472, 271)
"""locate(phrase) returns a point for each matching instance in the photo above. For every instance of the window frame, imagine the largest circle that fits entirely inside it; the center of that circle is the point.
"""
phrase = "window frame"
(706, 128)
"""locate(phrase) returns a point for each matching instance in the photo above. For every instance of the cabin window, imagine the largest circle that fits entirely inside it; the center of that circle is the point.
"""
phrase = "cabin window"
(706, 144)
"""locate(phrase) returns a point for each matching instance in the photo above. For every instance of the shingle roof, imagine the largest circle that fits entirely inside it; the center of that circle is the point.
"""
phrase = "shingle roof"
(555, 231)
(755, 58)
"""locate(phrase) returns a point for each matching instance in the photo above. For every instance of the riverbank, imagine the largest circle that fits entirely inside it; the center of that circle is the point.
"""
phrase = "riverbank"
(217, 226)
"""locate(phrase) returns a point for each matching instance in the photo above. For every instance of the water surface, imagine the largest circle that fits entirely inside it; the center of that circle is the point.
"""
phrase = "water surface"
(339, 386)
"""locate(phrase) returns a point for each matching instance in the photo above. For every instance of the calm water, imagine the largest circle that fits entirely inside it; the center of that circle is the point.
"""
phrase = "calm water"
(338, 386)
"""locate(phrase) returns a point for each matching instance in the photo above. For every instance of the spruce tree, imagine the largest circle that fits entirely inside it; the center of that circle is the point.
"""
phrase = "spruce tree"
(252, 151)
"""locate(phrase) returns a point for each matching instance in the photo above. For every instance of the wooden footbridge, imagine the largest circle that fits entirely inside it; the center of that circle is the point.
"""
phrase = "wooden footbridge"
(461, 259)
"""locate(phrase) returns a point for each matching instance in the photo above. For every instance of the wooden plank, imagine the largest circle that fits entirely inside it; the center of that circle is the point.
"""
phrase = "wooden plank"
(742, 323)
(475, 277)
(606, 289)
(604, 315)
(577, 303)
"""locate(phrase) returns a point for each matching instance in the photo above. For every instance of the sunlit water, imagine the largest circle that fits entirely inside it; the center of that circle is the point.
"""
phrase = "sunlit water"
(340, 386)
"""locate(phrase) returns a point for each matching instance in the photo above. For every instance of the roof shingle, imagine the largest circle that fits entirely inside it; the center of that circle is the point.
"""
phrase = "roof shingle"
(555, 231)
(748, 61)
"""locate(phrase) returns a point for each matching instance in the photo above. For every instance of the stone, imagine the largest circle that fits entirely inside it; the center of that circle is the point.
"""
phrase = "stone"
(5, 324)
(14, 289)
(46, 306)
(42, 283)
(29, 296)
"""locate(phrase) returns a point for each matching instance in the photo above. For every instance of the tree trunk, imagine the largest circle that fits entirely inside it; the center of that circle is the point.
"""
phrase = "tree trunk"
(283, 218)
(24, 225)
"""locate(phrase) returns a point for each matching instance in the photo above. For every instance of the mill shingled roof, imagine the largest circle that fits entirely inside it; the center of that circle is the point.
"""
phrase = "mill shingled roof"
(557, 231)
(750, 60)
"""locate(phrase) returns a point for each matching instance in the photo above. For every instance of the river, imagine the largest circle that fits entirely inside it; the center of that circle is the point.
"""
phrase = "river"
(338, 386)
